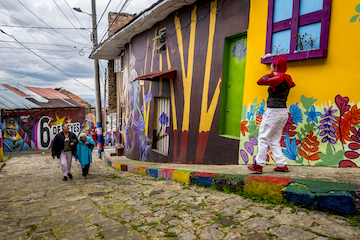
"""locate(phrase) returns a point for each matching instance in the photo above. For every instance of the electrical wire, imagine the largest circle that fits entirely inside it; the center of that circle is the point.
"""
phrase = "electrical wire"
(46, 23)
(20, 22)
(72, 11)
(69, 20)
(44, 28)
(117, 15)
(48, 44)
(102, 15)
(46, 60)
(26, 23)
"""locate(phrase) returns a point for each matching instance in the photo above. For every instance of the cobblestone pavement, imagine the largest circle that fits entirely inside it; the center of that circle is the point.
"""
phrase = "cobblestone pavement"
(36, 204)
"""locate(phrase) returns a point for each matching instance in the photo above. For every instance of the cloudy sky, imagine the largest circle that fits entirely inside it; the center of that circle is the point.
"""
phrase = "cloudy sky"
(44, 43)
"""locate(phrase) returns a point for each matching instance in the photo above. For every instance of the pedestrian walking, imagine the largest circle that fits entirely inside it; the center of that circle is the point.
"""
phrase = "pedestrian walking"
(64, 147)
(275, 116)
(83, 153)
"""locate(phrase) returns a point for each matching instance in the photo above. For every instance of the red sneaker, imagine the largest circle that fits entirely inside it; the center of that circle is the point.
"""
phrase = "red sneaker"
(256, 168)
(284, 169)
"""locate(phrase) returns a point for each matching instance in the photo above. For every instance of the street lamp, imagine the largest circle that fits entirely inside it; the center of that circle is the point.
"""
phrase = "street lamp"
(99, 129)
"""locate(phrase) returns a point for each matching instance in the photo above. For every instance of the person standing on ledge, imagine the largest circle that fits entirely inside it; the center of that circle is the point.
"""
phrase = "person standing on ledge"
(64, 147)
(275, 116)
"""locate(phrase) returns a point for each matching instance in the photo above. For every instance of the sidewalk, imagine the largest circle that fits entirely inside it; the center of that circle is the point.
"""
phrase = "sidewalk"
(324, 188)
(330, 174)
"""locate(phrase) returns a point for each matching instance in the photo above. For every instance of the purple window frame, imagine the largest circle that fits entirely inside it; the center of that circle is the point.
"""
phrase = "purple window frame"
(293, 24)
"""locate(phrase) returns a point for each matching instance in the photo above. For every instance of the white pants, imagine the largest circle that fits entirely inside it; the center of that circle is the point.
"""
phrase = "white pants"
(271, 127)
(65, 161)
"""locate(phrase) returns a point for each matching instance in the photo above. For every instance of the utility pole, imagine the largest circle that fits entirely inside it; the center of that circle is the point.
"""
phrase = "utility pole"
(99, 128)
(105, 117)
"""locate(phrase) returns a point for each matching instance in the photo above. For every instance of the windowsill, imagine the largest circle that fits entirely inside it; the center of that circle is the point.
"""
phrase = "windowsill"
(229, 136)
(301, 55)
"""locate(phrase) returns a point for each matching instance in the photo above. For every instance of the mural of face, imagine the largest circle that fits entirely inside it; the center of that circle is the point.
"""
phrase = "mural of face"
(13, 140)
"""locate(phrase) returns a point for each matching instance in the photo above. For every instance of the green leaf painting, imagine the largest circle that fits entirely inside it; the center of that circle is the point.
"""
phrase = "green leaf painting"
(353, 19)
(307, 102)
(330, 159)
(357, 8)
(253, 129)
(305, 130)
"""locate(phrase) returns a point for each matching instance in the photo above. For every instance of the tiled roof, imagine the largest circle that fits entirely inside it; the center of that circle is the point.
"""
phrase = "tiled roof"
(74, 97)
(47, 92)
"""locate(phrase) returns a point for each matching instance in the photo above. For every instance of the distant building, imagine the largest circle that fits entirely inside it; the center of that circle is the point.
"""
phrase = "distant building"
(32, 116)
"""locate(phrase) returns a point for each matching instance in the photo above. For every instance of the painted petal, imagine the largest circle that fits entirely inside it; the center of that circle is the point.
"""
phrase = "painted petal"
(249, 147)
(253, 141)
(351, 154)
(244, 156)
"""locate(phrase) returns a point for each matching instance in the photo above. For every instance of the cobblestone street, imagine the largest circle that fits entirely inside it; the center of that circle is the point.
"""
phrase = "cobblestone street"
(36, 204)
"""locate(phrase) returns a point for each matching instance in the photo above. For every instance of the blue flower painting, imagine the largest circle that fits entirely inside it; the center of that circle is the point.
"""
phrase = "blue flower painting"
(312, 115)
(291, 149)
(148, 97)
(164, 119)
(250, 113)
(296, 113)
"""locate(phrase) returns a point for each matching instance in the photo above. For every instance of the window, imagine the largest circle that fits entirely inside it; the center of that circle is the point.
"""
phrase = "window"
(161, 40)
(299, 29)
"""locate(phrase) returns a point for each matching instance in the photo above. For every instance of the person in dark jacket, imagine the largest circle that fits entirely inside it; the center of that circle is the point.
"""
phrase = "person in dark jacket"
(64, 147)
(275, 116)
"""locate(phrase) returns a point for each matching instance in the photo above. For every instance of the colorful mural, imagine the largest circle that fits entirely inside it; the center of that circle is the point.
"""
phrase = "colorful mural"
(322, 135)
(193, 37)
(88, 124)
(36, 130)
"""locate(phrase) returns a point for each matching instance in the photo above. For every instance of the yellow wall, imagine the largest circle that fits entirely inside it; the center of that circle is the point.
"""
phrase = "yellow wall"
(322, 79)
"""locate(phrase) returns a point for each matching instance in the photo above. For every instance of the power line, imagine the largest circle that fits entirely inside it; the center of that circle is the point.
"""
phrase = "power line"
(69, 19)
(50, 67)
(117, 15)
(44, 27)
(42, 49)
(20, 22)
(46, 60)
(49, 44)
(46, 23)
(102, 15)
(71, 10)
(40, 29)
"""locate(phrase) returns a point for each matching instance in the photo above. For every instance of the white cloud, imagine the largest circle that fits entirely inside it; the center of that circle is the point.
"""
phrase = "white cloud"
(60, 47)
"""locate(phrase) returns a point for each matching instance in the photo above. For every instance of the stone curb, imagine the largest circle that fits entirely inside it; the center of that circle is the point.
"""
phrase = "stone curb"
(339, 198)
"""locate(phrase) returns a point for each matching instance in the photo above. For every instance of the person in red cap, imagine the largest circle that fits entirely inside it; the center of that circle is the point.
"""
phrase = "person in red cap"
(275, 116)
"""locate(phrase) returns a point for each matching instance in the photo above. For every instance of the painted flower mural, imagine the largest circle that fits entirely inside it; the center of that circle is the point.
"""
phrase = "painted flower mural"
(323, 134)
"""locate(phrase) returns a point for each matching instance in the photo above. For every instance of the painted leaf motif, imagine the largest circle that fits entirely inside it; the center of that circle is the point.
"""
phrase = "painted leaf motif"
(244, 128)
(353, 18)
(357, 8)
(310, 147)
(351, 154)
(330, 159)
(314, 157)
(249, 147)
(307, 102)
(253, 141)
(354, 146)
(347, 163)
(244, 156)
